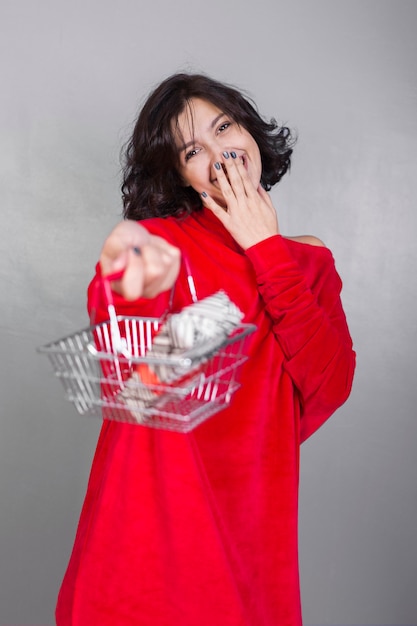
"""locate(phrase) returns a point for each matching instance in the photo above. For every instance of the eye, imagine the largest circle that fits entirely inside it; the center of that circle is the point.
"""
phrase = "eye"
(190, 154)
(223, 127)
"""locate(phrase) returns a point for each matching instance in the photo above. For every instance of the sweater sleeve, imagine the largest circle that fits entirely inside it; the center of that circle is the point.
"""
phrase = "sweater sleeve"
(310, 325)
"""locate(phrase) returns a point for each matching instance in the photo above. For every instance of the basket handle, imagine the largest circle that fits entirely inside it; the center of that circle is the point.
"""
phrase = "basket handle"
(190, 282)
(118, 342)
(102, 288)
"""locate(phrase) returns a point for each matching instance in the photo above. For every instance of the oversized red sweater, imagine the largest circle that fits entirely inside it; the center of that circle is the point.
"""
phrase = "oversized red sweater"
(200, 529)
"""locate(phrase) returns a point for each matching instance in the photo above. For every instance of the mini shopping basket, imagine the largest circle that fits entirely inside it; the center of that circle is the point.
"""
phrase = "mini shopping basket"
(99, 365)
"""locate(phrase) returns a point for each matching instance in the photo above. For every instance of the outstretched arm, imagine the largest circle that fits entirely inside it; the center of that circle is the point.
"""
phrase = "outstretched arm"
(147, 266)
(150, 264)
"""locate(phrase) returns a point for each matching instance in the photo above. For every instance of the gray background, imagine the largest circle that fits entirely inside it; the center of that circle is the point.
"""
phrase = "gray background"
(343, 74)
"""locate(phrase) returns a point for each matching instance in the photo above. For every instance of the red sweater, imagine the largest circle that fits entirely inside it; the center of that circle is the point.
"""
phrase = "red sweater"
(200, 529)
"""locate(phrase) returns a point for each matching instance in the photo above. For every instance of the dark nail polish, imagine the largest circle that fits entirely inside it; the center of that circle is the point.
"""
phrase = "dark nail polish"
(226, 155)
(233, 155)
(137, 250)
(217, 166)
(203, 194)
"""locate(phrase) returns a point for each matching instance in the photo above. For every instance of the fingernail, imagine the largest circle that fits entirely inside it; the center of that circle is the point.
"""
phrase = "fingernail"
(233, 155)
(226, 155)
(217, 166)
(137, 250)
(203, 194)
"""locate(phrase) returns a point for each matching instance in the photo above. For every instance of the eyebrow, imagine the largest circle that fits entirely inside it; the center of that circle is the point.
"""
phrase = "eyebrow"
(212, 125)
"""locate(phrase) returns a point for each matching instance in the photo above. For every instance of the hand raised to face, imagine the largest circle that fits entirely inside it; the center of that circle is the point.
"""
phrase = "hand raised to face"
(247, 211)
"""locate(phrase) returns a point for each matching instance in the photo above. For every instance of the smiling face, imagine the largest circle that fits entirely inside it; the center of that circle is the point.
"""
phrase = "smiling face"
(202, 134)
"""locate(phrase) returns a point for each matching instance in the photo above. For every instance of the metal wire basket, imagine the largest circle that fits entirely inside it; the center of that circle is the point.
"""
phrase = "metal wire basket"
(99, 365)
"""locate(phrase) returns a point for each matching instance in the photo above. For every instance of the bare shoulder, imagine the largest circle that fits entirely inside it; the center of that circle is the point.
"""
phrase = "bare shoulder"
(309, 239)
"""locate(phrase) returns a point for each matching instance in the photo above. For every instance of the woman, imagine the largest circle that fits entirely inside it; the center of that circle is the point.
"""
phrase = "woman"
(201, 529)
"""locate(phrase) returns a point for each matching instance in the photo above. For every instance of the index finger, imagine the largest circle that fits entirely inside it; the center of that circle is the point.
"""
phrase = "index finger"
(126, 236)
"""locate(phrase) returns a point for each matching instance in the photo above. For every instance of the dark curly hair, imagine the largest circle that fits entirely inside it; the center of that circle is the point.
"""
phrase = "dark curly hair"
(152, 186)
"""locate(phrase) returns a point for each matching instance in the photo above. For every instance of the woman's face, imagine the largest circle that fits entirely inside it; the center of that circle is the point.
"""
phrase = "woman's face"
(203, 133)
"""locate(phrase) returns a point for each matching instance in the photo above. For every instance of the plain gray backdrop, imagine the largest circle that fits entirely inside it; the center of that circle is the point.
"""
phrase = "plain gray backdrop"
(343, 75)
